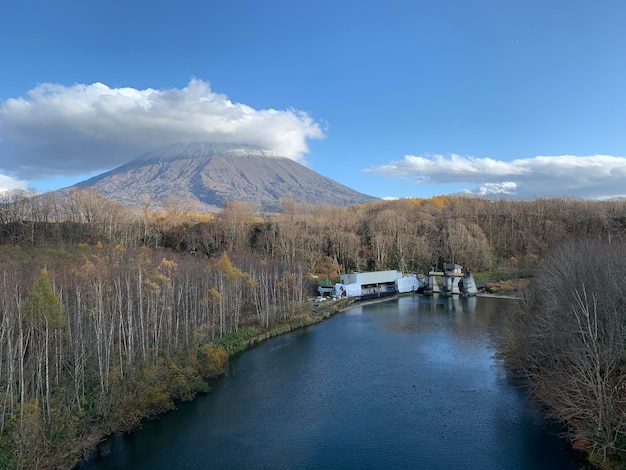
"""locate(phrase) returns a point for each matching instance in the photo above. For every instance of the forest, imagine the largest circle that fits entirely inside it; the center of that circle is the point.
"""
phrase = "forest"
(110, 314)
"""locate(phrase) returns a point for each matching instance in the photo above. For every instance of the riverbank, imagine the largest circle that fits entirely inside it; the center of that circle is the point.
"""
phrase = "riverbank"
(232, 344)
(501, 296)
(317, 314)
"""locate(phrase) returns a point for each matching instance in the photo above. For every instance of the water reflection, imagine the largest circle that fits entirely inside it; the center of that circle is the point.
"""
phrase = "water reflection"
(427, 314)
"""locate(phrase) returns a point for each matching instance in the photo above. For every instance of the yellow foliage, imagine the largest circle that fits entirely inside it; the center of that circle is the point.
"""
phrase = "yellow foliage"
(167, 266)
(224, 263)
(87, 268)
(211, 360)
(439, 201)
(119, 250)
(325, 267)
(213, 294)
(163, 280)
(226, 266)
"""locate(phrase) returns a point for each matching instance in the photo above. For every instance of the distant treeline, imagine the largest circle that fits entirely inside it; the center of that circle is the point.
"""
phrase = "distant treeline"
(108, 314)
(411, 233)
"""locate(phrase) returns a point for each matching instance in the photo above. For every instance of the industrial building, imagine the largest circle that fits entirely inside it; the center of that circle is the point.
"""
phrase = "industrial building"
(374, 284)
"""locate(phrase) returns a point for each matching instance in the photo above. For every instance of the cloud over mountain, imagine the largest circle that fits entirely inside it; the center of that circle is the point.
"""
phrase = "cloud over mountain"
(73, 130)
(595, 176)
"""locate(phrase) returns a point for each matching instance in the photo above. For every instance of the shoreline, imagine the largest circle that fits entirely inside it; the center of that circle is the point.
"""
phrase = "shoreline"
(87, 447)
(500, 296)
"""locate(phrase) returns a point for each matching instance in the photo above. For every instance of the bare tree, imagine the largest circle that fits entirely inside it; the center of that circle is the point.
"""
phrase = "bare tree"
(570, 341)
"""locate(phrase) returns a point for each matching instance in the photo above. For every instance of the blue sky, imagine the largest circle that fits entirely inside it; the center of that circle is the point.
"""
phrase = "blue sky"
(525, 98)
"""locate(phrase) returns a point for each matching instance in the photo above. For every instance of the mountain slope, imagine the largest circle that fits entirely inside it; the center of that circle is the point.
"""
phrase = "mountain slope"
(214, 174)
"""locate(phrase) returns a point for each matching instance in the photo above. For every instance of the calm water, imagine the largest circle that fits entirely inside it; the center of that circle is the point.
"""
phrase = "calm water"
(410, 383)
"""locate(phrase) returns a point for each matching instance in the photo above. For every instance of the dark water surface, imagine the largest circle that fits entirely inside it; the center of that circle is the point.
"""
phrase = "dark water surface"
(409, 383)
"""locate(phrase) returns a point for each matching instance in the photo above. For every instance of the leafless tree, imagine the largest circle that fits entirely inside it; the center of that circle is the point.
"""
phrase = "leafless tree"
(570, 339)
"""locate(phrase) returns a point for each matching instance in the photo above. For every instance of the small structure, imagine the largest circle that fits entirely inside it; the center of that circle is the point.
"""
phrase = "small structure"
(452, 274)
(409, 283)
(469, 284)
(368, 284)
(454, 281)
(325, 288)
(373, 284)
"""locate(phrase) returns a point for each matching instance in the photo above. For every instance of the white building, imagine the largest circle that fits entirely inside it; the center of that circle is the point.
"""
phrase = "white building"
(375, 284)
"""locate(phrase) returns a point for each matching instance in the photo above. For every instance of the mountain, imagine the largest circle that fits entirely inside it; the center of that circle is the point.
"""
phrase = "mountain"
(214, 174)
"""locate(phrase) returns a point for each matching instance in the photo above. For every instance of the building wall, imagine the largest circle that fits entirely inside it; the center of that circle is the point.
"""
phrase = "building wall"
(375, 277)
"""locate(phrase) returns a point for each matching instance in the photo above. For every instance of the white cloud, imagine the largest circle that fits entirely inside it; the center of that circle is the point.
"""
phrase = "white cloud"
(73, 130)
(596, 176)
(7, 183)
(487, 189)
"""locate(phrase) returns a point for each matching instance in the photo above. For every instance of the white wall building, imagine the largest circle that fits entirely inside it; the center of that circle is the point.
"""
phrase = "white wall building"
(375, 284)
